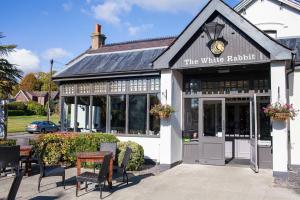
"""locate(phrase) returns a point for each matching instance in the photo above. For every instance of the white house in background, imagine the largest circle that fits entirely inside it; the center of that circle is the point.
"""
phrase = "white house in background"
(278, 18)
(218, 74)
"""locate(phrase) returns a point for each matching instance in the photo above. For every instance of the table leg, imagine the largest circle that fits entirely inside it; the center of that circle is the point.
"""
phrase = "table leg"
(110, 175)
(78, 172)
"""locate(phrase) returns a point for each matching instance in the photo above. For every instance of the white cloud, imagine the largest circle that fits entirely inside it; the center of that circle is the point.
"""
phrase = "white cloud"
(55, 53)
(25, 60)
(110, 11)
(170, 5)
(67, 6)
(135, 30)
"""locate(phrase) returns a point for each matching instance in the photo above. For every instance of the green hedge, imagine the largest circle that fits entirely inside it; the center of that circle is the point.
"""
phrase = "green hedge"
(17, 106)
(17, 112)
(36, 108)
(8, 142)
(67, 145)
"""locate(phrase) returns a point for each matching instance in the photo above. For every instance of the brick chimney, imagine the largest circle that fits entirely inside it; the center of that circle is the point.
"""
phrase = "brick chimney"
(98, 39)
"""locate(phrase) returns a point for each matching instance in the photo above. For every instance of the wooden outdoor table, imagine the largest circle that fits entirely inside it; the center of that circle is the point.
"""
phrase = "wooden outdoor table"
(26, 151)
(95, 157)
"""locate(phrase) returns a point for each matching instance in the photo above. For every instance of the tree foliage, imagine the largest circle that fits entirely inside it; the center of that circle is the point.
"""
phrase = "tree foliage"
(44, 78)
(9, 75)
(30, 83)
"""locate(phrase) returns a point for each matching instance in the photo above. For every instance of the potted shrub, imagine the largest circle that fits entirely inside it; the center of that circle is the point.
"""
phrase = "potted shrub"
(162, 111)
(280, 112)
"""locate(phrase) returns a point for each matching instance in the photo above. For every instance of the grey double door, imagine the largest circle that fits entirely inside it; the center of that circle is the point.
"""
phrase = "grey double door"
(212, 131)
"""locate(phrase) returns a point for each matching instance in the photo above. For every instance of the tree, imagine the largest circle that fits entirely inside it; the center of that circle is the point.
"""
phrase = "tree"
(9, 75)
(30, 83)
(44, 77)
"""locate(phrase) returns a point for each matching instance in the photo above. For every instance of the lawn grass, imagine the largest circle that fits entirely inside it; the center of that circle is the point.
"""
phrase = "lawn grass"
(19, 123)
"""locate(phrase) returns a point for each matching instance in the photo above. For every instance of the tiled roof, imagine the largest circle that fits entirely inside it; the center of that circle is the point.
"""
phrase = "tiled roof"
(129, 45)
(294, 44)
(132, 56)
(136, 44)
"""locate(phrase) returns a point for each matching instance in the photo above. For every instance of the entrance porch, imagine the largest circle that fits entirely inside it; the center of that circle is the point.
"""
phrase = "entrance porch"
(223, 117)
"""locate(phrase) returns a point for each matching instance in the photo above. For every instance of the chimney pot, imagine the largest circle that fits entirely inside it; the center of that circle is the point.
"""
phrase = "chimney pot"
(98, 28)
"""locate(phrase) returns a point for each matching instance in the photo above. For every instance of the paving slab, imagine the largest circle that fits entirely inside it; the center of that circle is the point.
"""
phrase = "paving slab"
(188, 182)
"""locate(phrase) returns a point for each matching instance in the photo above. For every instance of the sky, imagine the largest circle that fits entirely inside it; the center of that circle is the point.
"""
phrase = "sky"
(61, 29)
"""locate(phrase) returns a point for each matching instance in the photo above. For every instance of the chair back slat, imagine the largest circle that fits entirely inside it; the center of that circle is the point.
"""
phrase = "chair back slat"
(103, 172)
(9, 156)
(15, 186)
(126, 157)
(22, 141)
(109, 146)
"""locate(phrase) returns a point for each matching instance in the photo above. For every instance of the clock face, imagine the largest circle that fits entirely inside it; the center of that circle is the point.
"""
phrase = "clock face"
(217, 47)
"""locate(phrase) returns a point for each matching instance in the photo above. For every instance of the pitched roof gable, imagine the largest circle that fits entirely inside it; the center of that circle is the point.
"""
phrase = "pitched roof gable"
(279, 53)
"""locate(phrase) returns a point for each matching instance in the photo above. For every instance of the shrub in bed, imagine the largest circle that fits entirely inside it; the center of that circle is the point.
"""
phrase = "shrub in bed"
(8, 142)
(66, 145)
(137, 156)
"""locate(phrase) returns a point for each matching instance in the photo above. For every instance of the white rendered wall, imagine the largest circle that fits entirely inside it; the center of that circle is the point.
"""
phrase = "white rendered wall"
(151, 145)
(294, 94)
(279, 132)
(165, 127)
(267, 15)
(170, 130)
(176, 144)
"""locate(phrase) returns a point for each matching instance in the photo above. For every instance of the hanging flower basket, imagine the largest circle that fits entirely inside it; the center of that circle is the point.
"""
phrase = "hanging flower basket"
(281, 116)
(280, 112)
(162, 111)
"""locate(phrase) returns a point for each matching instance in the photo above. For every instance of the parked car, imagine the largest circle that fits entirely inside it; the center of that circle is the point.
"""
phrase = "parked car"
(42, 127)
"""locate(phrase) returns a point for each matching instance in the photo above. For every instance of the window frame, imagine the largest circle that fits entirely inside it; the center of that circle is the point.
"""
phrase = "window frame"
(152, 85)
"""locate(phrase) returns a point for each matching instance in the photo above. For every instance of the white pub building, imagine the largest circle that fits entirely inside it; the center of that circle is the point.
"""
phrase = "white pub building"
(218, 74)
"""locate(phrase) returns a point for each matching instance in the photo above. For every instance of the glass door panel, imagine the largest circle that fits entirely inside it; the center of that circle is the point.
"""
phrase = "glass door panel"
(212, 118)
(212, 131)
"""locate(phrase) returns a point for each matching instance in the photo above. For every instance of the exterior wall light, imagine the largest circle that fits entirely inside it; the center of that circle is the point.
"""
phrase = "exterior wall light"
(216, 43)
(213, 30)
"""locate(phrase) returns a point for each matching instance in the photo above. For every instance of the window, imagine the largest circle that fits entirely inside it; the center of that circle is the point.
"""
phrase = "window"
(155, 84)
(100, 87)
(83, 110)
(154, 124)
(68, 113)
(191, 119)
(99, 114)
(118, 86)
(117, 113)
(120, 106)
(137, 114)
(83, 88)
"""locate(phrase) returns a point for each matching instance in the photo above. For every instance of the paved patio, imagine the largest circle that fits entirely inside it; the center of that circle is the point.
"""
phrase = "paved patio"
(181, 182)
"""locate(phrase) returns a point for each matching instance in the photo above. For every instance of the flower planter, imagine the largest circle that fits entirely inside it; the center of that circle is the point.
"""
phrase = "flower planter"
(162, 111)
(163, 115)
(281, 116)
